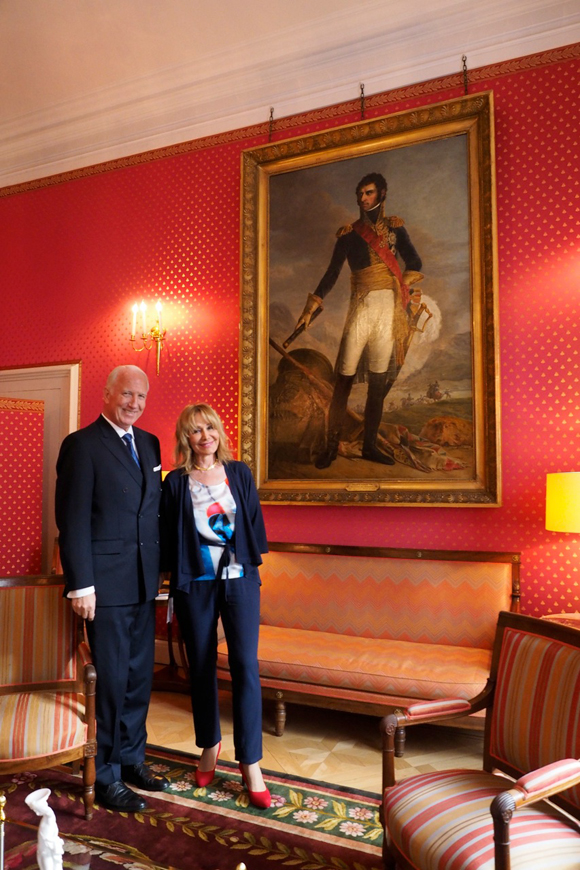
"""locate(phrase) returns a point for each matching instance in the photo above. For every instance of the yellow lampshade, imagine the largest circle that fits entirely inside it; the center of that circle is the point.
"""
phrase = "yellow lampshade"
(563, 502)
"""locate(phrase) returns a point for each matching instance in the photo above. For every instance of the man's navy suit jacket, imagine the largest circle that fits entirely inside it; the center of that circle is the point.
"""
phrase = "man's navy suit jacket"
(107, 512)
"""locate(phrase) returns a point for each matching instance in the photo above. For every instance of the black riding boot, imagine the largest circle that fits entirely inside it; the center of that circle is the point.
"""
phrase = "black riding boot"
(336, 414)
(373, 417)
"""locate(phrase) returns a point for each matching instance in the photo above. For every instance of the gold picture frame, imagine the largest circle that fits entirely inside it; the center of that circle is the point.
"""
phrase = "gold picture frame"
(440, 420)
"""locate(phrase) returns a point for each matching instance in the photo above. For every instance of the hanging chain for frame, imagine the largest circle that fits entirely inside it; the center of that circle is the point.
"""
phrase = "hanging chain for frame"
(464, 61)
(362, 102)
(271, 124)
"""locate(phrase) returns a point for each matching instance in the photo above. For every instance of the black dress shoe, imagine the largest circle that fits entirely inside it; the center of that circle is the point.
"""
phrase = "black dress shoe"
(142, 777)
(117, 796)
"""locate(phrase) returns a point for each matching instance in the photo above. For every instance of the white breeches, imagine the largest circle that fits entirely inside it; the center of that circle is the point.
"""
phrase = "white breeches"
(370, 325)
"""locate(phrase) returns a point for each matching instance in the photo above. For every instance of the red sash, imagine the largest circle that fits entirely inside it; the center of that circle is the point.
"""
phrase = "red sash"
(380, 247)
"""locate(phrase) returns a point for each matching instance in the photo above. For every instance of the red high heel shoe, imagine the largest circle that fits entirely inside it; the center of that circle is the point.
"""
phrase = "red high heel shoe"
(260, 799)
(204, 777)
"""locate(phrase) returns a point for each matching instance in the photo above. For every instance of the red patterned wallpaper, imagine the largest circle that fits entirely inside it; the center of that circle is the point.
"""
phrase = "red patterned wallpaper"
(21, 443)
(77, 250)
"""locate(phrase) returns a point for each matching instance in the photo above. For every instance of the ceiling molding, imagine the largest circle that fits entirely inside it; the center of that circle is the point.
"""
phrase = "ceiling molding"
(304, 68)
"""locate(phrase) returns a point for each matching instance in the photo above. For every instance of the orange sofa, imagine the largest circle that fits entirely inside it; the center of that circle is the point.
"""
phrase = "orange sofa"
(372, 629)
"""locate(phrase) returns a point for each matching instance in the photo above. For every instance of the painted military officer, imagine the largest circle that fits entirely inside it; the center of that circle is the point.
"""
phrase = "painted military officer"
(376, 329)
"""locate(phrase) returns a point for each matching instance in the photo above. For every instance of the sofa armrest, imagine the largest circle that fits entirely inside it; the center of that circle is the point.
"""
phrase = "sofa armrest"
(427, 711)
(393, 725)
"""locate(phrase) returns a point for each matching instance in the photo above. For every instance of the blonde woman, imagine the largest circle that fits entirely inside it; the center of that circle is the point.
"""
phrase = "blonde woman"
(213, 536)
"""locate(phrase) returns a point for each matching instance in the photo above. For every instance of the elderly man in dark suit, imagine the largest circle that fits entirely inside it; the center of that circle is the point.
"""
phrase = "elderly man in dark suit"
(107, 510)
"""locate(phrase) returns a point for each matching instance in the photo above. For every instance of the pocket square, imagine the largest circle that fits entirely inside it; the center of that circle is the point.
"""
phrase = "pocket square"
(157, 468)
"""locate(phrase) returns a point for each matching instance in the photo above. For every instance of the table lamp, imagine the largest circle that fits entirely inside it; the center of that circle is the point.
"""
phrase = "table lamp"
(563, 502)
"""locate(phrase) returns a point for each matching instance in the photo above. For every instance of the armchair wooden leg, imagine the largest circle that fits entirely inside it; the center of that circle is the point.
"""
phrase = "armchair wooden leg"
(389, 862)
(399, 742)
(280, 715)
(89, 776)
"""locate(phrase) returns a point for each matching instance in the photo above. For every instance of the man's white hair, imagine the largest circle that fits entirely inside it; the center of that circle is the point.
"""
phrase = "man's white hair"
(119, 370)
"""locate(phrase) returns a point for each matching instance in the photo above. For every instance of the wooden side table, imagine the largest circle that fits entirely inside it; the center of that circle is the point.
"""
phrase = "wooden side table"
(572, 620)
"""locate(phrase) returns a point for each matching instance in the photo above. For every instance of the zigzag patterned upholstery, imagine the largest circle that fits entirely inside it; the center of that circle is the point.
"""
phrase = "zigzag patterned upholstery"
(445, 820)
(47, 682)
(454, 603)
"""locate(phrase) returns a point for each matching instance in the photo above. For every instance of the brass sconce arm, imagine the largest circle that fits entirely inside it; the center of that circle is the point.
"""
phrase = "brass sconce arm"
(154, 336)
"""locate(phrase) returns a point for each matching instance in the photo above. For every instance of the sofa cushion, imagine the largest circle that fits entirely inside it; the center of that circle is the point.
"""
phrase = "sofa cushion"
(449, 603)
(382, 667)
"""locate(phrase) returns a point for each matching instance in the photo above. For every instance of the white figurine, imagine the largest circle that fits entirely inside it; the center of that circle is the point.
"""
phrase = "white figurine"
(50, 847)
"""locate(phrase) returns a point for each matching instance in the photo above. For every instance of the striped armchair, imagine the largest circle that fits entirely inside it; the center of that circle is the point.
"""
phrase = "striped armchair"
(479, 820)
(47, 682)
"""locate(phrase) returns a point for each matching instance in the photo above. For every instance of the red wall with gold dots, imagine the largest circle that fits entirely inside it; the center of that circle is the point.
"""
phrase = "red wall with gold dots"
(76, 251)
(21, 438)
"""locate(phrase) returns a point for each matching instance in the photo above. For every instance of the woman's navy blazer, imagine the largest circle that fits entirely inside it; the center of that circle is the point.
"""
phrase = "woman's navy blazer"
(180, 546)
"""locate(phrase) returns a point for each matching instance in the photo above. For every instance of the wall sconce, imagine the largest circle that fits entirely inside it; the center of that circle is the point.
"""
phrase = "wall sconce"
(156, 335)
(563, 502)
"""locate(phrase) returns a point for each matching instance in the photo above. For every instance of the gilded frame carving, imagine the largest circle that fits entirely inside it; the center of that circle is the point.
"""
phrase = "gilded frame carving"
(445, 154)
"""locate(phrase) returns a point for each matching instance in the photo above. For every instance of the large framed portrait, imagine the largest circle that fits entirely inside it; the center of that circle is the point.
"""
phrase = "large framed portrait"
(369, 358)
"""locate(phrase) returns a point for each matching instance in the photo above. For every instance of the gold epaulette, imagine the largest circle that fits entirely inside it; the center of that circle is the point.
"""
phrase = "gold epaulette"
(394, 221)
(342, 231)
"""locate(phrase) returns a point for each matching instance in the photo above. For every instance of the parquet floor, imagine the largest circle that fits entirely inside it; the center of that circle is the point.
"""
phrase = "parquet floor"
(324, 745)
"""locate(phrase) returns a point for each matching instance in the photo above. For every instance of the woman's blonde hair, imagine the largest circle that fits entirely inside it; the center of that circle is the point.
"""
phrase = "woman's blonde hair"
(184, 456)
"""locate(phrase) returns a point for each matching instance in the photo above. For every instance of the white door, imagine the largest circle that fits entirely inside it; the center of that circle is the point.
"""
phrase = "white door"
(59, 388)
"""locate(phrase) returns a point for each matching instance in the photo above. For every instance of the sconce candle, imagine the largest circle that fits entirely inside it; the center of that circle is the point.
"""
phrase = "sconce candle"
(154, 336)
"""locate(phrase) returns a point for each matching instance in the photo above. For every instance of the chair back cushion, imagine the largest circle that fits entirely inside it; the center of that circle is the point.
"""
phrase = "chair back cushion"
(455, 603)
(536, 711)
(37, 636)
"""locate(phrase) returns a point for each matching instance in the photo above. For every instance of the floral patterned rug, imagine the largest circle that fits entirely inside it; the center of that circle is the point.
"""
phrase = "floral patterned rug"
(310, 825)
